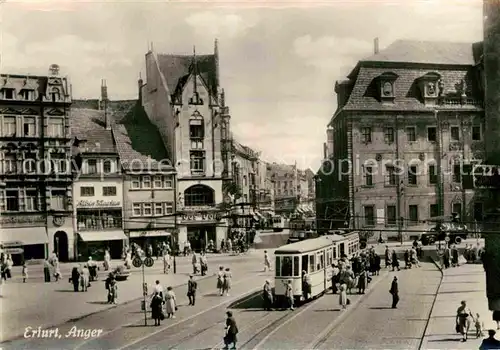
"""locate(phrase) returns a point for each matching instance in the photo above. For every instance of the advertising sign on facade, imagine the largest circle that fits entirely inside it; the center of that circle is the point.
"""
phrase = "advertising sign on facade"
(199, 217)
(98, 203)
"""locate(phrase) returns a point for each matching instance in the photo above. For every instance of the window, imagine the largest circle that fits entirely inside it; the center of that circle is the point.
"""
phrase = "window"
(390, 178)
(477, 133)
(389, 135)
(413, 213)
(366, 135)
(91, 166)
(58, 199)
(286, 266)
(147, 209)
(411, 134)
(197, 162)
(199, 195)
(457, 208)
(168, 181)
(146, 182)
(157, 181)
(28, 95)
(196, 132)
(391, 215)
(30, 202)
(9, 126)
(109, 191)
(433, 210)
(245, 180)
(136, 182)
(431, 134)
(478, 211)
(457, 176)
(432, 174)
(455, 133)
(168, 207)
(296, 266)
(312, 263)
(278, 266)
(55, 127)
(99, 219)
(369, 215)
(368, 176)
(29, 163)
(412, 175)
(86, 191)
(10, 164)
(8, 94)
(136, 209)
(107, 166)
(29, 126)
(59, 162)
(12, 199)
(55, 95)
(158, 209)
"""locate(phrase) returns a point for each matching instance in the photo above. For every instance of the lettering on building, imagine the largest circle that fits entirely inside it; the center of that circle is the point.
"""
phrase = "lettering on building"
(200, 217)
(14, 220)
(98, 204)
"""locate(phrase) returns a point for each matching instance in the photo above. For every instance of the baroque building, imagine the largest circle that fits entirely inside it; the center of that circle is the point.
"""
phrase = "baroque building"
(35, 167)
(407, 130)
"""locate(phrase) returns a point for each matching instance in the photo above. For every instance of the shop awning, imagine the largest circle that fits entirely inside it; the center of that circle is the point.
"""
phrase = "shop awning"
(97, 236)
(152, 233)
(262, 217)
(15, 237)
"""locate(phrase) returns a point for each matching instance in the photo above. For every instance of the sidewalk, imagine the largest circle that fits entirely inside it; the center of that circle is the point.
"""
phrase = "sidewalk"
(466, 282)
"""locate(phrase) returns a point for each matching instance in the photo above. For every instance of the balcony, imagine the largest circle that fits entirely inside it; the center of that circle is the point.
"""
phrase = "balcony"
(461, 101)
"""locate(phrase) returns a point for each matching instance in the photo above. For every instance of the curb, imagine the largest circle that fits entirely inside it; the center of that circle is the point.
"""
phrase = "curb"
(79, 318)
(324, 334)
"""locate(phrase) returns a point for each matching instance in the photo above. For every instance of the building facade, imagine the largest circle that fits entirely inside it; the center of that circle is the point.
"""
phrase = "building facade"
(265, 198)
(36, 200)
(183, 99)
(98, 187)
(286, 195)
(408, 128)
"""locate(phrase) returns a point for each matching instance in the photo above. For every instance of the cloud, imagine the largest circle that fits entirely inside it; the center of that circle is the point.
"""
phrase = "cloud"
(217, 24)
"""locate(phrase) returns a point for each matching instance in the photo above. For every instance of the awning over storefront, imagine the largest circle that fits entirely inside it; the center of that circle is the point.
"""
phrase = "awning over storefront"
(261, 217)
(15, 237)
(97, 236)
(153, 233)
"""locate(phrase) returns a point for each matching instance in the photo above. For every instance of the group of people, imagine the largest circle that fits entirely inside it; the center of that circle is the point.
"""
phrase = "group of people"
(200, 263)
(449, 256)
(410, 257)
(473, 254)
(51, 268)
(163, 304)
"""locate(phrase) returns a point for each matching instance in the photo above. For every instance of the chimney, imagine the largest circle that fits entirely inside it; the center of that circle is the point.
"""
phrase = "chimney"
(375, 46)
(104, 104)
(140, 83)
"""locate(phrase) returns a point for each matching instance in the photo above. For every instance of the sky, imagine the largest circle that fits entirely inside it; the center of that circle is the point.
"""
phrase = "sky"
(279, 60)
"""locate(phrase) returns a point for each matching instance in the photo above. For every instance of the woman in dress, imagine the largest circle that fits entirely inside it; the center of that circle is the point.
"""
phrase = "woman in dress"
(343, 295)
(170, 303)
(107, 260)
(220, 280)
(227, 281)
(156, 306)
(463, 320)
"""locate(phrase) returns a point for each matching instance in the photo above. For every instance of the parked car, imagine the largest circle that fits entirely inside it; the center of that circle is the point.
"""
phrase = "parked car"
(455, 231)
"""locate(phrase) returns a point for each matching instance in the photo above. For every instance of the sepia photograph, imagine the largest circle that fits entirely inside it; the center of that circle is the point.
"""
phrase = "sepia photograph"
(254, 175)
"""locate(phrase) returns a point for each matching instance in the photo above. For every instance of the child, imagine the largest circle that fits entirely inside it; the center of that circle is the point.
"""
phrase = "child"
(479, 326)
(113, 292)
(25, 273)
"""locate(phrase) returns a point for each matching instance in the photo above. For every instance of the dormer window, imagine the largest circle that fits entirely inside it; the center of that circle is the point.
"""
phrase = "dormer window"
(430, 87)
(386, 86)
(55, 95)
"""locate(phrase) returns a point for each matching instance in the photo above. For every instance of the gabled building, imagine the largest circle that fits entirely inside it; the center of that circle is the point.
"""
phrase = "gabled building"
(408, 127)
(285, 180)
(36, 199)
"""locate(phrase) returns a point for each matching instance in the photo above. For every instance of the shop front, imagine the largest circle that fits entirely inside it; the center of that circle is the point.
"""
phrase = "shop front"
(24, 237)
(155, 238)
(199, 228)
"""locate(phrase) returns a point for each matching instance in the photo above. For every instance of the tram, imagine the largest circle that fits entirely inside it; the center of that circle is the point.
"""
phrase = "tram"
(278, 222)
(315, 257)
(301, 229)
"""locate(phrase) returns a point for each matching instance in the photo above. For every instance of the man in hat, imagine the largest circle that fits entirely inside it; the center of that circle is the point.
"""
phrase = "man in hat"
(192, 286)
(394, 292)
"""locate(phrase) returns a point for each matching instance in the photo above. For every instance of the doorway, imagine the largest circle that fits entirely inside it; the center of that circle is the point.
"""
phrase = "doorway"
(61, 245)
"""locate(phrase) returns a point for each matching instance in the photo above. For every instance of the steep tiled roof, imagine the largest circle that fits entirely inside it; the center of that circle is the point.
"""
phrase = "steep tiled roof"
(433, 52)
(139, 143)
(175, 68)
(89, 125)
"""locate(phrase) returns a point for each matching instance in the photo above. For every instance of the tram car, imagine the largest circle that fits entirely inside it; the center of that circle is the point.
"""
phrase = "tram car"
(278, 223)
(315, 257)
(301, 229)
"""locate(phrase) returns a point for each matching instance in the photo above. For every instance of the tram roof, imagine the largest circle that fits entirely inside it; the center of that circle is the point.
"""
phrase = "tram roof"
(336, 237)
(304, 246)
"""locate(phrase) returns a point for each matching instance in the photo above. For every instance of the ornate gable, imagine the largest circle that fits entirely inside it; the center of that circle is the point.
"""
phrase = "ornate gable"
(55, 90)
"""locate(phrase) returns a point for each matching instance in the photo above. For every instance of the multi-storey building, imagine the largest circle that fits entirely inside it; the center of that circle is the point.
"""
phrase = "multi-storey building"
(36, 202)
(408, 126)
(183, 99)
(285, 182)
(149, 178)
(98, 185)
(265, 198)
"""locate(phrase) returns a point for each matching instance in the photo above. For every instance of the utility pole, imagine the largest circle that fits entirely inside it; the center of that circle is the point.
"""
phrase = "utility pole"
(398, 187)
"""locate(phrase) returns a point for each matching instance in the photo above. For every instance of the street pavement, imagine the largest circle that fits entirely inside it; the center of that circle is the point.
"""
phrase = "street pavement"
(39, 304)
(466, 282)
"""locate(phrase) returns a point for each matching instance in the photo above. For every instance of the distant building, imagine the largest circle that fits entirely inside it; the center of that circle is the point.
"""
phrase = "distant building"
(36, 198)
(286, 188)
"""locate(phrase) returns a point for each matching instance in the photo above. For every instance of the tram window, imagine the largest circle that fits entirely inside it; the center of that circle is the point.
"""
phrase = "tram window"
(305, 263)
(322, 261)
(335, 252)
(296, 267)
(278, 266)
(311, 263)
(286, 266)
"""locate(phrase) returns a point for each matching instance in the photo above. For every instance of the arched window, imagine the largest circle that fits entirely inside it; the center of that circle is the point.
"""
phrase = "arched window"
(55, 94)
(199, 195)
(196, 131)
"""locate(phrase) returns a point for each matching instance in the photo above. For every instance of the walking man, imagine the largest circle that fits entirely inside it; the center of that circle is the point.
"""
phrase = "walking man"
(394, 292)
(267, 262)
(192, 286)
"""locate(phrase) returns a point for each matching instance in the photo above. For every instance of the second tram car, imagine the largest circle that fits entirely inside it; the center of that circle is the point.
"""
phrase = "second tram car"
(301, 229)
(278, 223)
(315, 257)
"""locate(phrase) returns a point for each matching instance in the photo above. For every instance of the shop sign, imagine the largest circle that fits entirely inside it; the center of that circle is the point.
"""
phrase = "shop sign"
(97, 203)
(9, 220)
(11, 244)
(195, 217)
(13, 251)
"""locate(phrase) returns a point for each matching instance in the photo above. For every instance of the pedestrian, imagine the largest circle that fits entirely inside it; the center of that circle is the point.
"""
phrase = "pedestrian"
(394, 261)
(446, 257)
(289, 294)
(46, 270)
(107, 286)
(463, 319)
(57, 270)
(394, 292)
(203, 263)
(170, 303)
(84, 278)
(75, 278)
(306, 285)
(8, 266)
(192, 287)
(166, 262)
(343, 296)
(194, 262)
(113, 292)
(157, 300)
(267, 262)
(230, 336)
(227, 281)
(220, 280)
(377, 262)
(387, 256)
(362, 281)
(107, 260)
(490, 343)
(267, 295)
(25, 273)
